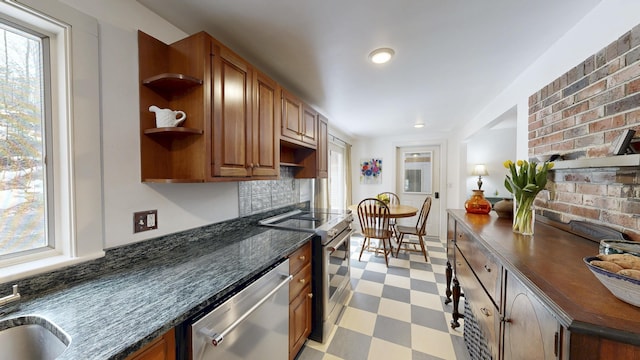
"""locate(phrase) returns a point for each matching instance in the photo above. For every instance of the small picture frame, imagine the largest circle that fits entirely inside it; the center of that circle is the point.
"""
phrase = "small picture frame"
(621, 144)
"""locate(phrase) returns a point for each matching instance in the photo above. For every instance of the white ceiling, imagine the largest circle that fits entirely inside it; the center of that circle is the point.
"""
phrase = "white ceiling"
(452, 57)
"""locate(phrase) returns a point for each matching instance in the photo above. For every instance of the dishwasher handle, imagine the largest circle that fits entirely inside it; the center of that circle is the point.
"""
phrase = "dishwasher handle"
(216, 338)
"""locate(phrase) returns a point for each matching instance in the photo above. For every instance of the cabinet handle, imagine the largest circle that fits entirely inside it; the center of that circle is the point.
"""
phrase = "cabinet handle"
(310, 295)
(486, 267)
(302, 257)
(505, 320)
(302, 281)
(485, 312)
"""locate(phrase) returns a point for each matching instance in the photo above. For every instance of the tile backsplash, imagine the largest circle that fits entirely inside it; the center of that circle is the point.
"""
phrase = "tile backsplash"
(263, 195)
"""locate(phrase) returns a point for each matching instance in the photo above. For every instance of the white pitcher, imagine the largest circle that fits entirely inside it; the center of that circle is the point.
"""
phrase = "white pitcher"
(168, 117)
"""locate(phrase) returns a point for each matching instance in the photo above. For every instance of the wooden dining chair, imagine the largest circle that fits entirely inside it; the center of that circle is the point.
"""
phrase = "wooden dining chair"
(393, 200)
(374, 224)
(419, 230)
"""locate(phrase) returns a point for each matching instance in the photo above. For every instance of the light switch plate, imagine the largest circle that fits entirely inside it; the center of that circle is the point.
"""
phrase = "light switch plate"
(145, 220)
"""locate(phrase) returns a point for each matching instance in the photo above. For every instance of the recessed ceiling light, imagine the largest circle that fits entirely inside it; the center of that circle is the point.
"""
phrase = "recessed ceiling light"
(418, 126)
(381, 56)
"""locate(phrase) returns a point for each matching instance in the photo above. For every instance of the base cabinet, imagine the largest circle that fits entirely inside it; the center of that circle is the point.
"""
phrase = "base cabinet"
(527, 296)
(529, 328)
(300, 299)
(162, 348)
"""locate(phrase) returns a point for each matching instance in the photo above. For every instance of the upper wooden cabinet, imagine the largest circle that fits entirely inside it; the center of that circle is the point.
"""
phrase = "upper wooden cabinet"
(232, 123)
(309, 131)
(266, 126)
(221, 139)
(236, 116)
(174, 77)
(299, 121)
(322, 151)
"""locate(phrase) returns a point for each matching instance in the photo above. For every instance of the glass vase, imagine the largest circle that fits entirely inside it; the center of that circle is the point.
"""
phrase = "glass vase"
(524, 216)
(477, 204)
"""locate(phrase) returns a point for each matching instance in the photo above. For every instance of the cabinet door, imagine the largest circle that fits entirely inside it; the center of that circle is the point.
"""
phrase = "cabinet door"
(309, 126)
(529, 328)
(299, 321)
(265, 159)
(322, 150)
(291, 116)
(231, 114)
(162, 348)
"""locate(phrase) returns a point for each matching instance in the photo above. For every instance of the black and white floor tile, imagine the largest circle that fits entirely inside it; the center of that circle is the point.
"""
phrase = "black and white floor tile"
(394, 313)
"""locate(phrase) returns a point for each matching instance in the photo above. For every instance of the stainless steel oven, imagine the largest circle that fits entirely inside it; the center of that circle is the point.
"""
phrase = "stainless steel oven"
(330, 261)
(336, 273)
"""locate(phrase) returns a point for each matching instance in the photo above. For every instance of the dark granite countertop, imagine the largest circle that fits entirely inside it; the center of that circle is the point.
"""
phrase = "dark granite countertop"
(119, 304)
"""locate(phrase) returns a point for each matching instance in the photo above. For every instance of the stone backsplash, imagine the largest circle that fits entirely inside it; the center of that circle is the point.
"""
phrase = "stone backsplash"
(263, 195)
(580, 115)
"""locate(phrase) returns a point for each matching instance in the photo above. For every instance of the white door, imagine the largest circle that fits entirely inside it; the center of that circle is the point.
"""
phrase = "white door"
(418, 176)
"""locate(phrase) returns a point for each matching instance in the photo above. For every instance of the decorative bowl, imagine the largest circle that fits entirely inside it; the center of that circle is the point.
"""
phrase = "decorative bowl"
(622, 287)
(613, 246)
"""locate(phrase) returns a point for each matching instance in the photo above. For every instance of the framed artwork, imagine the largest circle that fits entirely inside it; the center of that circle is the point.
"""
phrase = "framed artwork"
(371, 171)
(621, 144)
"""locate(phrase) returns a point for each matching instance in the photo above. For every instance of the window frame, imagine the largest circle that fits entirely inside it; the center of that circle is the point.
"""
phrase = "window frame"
(75, 152)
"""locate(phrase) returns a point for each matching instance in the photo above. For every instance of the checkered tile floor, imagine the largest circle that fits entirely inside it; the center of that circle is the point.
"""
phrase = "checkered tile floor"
(394, 313)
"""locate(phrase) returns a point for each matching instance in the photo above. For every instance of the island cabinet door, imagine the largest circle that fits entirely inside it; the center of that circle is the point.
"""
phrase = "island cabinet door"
(530, 330)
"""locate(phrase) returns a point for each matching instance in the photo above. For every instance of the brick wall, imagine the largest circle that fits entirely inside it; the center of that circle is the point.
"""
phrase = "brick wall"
(579, 115)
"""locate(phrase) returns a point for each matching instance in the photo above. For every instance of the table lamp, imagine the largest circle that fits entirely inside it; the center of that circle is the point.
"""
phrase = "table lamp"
(480, 170)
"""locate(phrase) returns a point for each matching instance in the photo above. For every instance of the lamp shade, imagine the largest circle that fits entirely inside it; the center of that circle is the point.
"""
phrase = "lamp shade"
(480, 170)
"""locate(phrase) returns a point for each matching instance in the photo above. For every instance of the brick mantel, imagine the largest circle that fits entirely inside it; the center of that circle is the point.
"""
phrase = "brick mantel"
(579, 115)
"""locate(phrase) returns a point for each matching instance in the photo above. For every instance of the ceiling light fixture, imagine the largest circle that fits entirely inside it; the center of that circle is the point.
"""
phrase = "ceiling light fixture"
(418, 126)
(381, 56)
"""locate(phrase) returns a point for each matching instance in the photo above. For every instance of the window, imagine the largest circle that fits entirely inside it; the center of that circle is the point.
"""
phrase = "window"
(50, 164)
(23, 174)
(337, 179)
(417, 172)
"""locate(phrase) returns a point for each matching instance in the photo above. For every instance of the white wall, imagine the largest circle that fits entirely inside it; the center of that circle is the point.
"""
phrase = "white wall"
(180, 206)
(490, 147)
(607, 22)
(184, 206)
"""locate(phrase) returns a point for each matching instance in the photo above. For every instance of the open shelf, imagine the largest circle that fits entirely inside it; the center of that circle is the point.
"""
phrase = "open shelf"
(171, 82)
(611, 161)
(291, 164)
(173, 131)
(173, 181)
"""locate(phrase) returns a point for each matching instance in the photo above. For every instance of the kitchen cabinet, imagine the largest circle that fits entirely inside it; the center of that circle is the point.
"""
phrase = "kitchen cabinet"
(240, 125)
(222, 138)
(162, 348)
(266, 126)
(169, 78)
(529, 328)
(533, 296)
(309, 126)
(232, 123)
(299, 121)
(300, 299)
(292, 109)
(322, 151)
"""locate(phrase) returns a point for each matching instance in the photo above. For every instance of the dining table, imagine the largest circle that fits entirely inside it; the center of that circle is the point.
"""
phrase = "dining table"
(395, 210)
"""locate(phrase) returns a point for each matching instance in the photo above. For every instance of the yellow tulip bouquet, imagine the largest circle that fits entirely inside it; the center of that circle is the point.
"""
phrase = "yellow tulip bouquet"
(526, 181)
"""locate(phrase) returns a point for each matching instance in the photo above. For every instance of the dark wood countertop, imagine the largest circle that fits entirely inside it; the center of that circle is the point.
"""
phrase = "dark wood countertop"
(551, 264)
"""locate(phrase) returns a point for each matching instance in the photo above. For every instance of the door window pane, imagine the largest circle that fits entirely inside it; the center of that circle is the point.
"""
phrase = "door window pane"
(417, 172)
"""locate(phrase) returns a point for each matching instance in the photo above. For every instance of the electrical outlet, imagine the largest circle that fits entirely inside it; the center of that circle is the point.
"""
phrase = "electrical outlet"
(145, 220)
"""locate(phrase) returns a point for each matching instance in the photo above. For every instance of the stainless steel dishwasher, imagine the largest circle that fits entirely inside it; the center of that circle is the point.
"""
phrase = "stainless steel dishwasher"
(253, 324)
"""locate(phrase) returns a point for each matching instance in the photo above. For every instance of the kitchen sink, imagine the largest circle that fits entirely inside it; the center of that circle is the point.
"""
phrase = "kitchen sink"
(31, 337)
